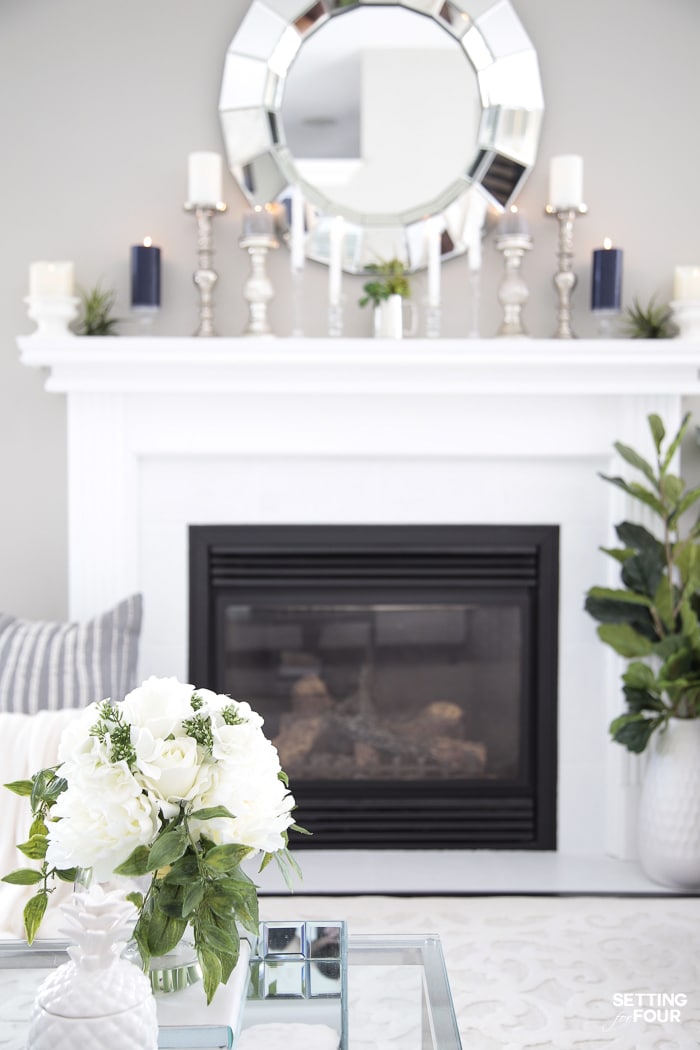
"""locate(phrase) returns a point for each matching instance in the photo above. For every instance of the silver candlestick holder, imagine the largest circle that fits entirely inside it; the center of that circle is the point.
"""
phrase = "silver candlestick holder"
(205, 277)
(513, 292)
(565, 279)
(258, 290)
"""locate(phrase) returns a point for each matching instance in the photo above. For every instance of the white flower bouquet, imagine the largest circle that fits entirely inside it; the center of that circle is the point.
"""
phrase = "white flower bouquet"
(174, 783)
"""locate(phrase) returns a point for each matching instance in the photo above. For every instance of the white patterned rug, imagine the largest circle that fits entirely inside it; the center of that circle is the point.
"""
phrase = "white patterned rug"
(547, 973)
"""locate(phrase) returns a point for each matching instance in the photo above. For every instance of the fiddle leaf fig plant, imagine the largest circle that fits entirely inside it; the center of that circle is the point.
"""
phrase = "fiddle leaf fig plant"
(653, 618)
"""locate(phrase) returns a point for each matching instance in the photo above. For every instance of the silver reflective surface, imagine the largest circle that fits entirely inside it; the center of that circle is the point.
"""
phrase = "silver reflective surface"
(386, 114)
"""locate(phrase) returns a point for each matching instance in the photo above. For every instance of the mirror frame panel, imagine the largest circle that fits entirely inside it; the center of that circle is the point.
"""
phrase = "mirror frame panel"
(505, 63)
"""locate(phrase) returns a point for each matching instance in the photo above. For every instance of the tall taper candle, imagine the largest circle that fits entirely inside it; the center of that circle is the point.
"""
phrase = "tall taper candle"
(433, 235)
(335, 268)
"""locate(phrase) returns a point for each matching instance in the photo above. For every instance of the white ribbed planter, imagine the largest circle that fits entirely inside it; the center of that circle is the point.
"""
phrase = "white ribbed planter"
(669, 811)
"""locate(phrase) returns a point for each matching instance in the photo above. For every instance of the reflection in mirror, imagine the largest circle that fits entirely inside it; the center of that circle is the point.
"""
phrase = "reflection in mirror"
(350, 113)
(386, 114)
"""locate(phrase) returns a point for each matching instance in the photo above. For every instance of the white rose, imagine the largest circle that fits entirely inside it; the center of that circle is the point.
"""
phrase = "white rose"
(260, 803)
(104, 816)
(171, 770)
(214, 703)
(76, 740)
(159, 705)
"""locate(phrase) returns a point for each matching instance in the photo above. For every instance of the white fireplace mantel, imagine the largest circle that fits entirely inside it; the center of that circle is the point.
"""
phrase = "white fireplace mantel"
(364, 366)
(166, 432)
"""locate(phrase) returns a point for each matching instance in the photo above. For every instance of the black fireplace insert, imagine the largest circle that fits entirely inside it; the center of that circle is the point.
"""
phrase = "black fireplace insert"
(407, 674)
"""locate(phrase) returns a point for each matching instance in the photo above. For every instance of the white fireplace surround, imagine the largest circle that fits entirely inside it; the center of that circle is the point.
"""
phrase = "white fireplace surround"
(168, 432)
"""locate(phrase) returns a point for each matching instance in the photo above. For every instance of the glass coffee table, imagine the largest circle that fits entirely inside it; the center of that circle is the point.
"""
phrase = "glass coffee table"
(308, 984)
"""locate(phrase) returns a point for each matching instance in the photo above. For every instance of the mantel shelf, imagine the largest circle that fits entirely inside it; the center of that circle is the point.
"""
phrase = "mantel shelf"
(444, 366)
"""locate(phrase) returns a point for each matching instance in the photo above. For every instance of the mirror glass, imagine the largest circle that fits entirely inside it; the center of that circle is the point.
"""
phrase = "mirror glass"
(384, 114)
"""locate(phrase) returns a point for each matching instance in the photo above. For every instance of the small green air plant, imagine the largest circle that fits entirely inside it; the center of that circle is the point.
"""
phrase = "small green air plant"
(652, 620)
(95, 312)
(391, 280)
(651, 322)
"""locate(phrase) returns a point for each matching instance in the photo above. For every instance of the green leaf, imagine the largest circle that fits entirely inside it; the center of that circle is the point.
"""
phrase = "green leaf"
(23, 877)
(34, 911)
(633, 731)
(228, 963)
(66, 874)
(222, 940)
(636, 461)
(183, 870)
(620, 597)
(137, 863)
(625, 640)
(211, 971)
(136, 899)
(193, 896)
(691, 497)
(643, 572)
(658, 431)
(210, 812)
(167, 848)
(35, 847)
(20, 787)
(664, 603)
(225, 858)
(687, 559)
(638, 537)
(639, 676)
(164, 932)
(620, 554)
(673, 488)
(640, 700)
(675, 444)
(638, 492)
(169, 900)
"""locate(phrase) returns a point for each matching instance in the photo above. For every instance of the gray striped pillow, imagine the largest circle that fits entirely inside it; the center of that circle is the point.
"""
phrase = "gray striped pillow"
(47, 666)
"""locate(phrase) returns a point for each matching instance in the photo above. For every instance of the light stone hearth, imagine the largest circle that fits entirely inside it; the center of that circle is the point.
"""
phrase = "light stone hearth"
(163, 433)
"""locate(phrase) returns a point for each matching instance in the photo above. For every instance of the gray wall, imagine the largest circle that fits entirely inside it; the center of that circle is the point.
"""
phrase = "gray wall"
(102, 102)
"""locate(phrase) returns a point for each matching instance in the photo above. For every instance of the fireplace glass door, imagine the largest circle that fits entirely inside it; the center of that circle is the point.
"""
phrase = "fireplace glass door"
(406, 675)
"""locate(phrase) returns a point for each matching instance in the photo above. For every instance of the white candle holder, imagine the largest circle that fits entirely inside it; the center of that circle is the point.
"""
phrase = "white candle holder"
(475, 303)
(205, 277)
(52, 314)
(433, 317)
(606, 320)
(565, 279)
(335, 318)
(258, 290)
(513, 292)
(686, 314)
(144, 317)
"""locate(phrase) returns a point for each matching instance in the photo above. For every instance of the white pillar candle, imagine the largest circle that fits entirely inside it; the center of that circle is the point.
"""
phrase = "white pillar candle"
(204, 183)
(335, 267)
(296, 230)
(566, 182)
(474, 260)
(433, 234)
(51, 279)
(686, 283)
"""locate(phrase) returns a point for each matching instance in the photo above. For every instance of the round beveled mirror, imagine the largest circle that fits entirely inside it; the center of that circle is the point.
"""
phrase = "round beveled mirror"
(384, 114)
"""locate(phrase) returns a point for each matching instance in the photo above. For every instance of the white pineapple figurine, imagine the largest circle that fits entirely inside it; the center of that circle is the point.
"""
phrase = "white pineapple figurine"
(98, 999)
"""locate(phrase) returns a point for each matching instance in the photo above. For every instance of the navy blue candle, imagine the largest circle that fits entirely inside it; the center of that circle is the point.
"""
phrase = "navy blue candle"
(145, 274)
(606, 284)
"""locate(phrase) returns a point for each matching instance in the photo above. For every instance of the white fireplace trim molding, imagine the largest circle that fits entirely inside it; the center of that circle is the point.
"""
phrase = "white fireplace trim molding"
(164, 433)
